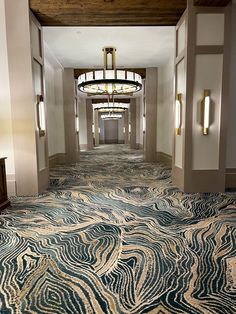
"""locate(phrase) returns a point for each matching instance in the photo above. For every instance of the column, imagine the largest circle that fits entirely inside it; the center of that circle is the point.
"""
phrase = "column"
(133, 123)
(89, 117)
(71, 145)
(27, 163)
(96, 128)
(201, 68)
(138, 123)
(150, 114)
(126, 126)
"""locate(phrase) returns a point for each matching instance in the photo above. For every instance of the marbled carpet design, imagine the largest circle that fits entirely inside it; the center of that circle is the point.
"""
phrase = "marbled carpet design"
(113, 235)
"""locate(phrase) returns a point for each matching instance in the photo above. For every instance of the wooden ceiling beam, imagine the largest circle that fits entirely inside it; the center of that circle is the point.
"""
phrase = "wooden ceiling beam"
(113, 12)
(107, 13)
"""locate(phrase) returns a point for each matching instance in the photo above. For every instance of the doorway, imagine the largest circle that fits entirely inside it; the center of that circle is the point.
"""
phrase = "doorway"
(111, 131)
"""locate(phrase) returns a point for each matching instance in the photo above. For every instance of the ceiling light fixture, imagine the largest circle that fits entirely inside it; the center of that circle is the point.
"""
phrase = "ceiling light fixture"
(111, 115)
(109, 81)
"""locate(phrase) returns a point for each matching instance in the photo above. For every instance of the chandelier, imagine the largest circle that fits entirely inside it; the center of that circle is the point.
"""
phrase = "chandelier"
(111, 115)
(114, 107)
(109, 81)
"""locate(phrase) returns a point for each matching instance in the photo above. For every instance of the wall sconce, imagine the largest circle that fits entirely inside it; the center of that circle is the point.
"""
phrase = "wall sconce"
(178, 114)
(99, 130)
(41, 115)
(205, 112)
(123, 129)
(129, 128)
(93, 129)
(77, 124)
(144, 123)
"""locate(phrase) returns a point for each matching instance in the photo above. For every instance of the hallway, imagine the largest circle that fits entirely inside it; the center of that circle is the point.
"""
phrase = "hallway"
(113, 235)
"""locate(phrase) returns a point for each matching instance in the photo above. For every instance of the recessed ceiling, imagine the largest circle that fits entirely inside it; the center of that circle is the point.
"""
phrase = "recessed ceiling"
(137, 47)
(113, 12)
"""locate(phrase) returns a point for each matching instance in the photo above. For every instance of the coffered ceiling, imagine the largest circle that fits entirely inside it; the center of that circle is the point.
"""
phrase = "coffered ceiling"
(113, 12)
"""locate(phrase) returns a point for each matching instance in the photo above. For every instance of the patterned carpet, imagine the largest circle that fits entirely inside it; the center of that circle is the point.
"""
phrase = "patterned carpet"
(113, 235)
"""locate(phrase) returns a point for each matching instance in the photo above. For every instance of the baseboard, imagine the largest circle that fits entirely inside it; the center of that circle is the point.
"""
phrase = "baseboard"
(11, 184)
(230, 178)
(165, 158)
(57, 159)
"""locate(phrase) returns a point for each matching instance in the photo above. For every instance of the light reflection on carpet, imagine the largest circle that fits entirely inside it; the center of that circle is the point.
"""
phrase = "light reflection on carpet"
(113, 235)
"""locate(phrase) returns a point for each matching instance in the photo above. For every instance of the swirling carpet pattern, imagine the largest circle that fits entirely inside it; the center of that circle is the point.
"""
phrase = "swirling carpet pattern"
(114, 235)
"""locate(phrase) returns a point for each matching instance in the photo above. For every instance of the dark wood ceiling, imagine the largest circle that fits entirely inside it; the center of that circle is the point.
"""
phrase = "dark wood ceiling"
(112, 12)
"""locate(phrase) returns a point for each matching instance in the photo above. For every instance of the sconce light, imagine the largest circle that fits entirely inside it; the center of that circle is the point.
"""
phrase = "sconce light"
(99, 130)
(178, 114)
(205, 113)
(123, 129)
(77, 124)
(41, 115)
(129, 128)
(144, 123)
(93, 129)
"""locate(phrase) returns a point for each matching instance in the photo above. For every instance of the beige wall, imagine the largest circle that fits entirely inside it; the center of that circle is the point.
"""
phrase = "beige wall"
(54, 103)
(6, 136)
(165, 107)
(231, 136)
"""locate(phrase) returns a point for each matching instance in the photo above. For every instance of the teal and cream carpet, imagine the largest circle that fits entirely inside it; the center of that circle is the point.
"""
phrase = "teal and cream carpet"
(113, 235)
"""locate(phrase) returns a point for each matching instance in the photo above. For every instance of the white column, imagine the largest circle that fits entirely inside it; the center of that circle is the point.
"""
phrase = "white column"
(201, 64)
(89, 117)
(133, 123)
(71, 140)
(151, 114)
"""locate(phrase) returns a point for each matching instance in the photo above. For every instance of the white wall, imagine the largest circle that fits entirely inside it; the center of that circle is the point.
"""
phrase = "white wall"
(231, 140)
(165, 106)
(6, 138)
(82, 121)
(54, 103)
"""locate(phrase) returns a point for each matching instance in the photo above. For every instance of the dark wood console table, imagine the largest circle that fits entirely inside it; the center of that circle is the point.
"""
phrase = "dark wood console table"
(4, 202)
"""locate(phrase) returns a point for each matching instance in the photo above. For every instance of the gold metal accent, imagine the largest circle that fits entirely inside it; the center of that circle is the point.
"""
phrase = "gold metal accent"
(205, 130)
(179, 99)
(41, 132)
(107, 51)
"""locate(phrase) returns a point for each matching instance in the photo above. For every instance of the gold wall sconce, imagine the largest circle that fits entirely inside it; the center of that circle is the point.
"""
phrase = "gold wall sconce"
(144, 124)
(41, 115)
(205, 112)
(77, 124)
(178, 114)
